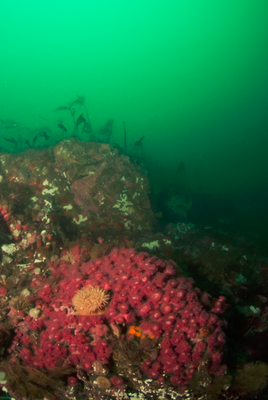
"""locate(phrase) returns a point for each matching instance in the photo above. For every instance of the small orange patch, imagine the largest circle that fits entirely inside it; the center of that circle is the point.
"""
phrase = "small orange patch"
(30, 253)
(204, 332)
(31, 166)
(136, 331)
(39, 243)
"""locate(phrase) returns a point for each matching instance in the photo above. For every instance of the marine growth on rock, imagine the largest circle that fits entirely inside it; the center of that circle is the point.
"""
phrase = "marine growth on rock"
(129, 317)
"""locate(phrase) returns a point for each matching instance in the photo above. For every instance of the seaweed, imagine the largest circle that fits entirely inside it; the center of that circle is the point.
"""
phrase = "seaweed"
(252, 378)
(31, 383)
(70, 107)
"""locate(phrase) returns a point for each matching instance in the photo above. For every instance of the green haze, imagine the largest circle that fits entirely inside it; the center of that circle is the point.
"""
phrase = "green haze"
(189, 75)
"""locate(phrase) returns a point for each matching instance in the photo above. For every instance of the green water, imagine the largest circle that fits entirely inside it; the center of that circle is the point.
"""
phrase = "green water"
(189, 75)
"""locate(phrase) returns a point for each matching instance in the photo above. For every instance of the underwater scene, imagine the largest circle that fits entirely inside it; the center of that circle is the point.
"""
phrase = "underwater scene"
(133, 200)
